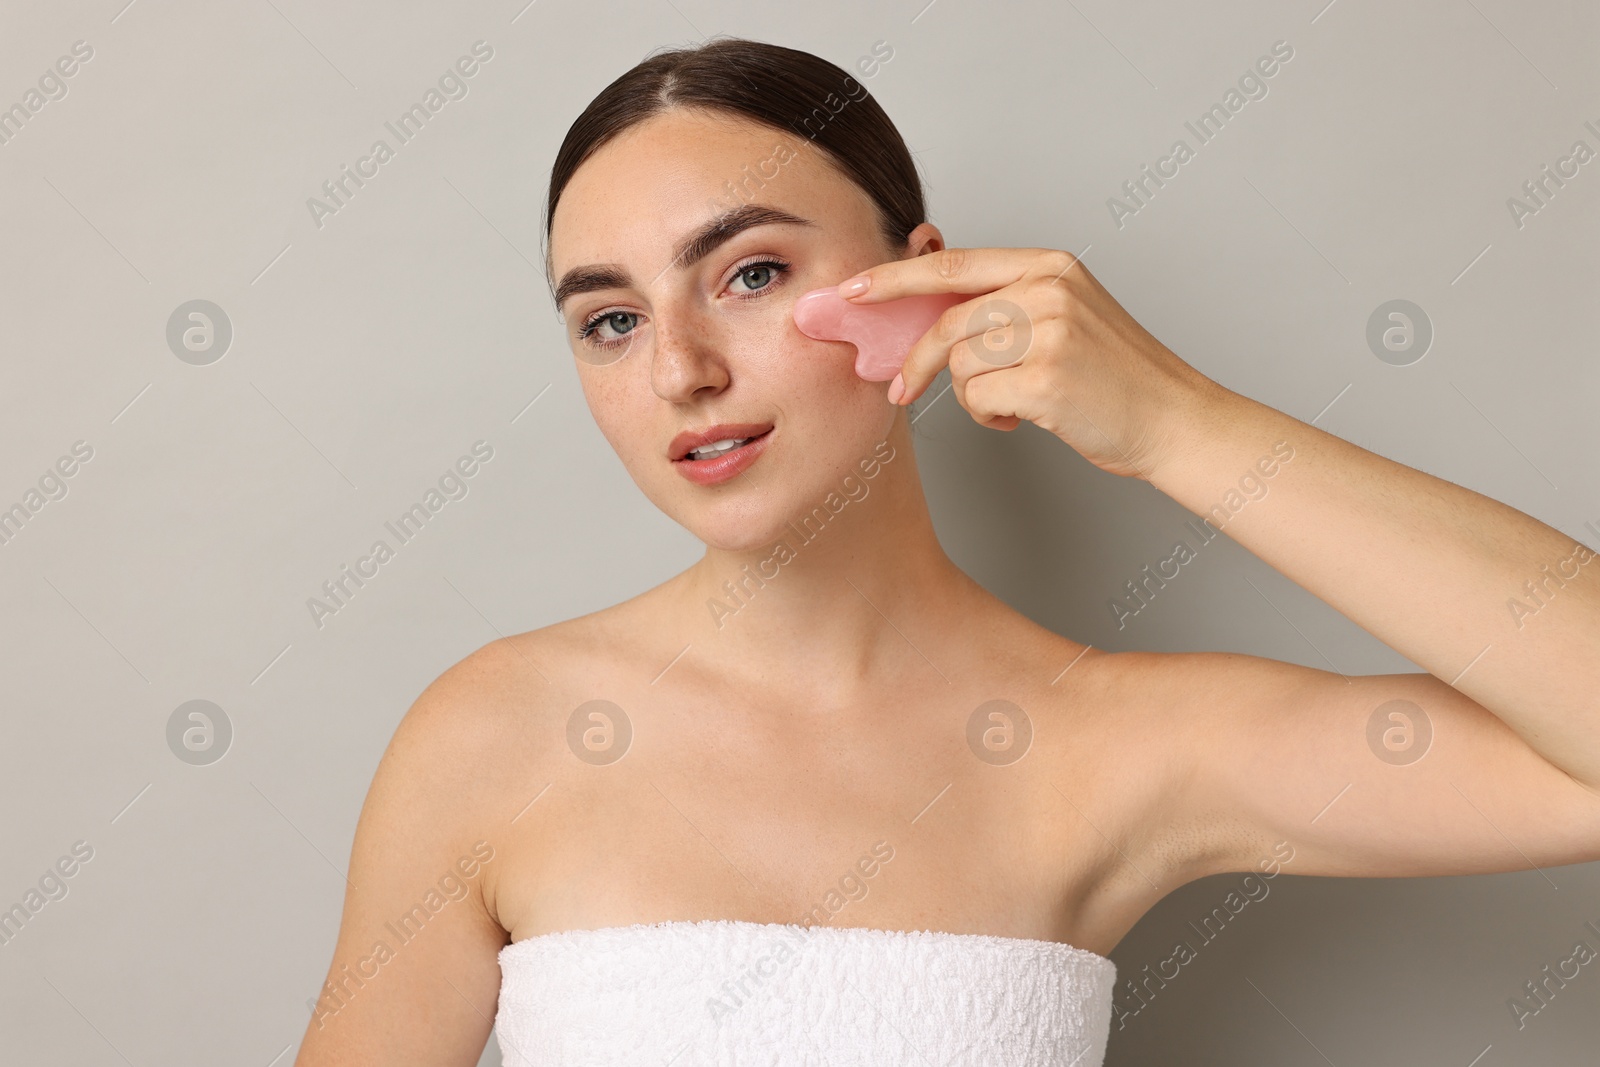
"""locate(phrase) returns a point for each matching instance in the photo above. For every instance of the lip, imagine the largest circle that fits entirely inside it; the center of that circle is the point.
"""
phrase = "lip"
(689, 440)
(726, 466)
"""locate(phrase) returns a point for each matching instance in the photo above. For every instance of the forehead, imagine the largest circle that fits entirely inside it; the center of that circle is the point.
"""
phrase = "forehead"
(679, 168)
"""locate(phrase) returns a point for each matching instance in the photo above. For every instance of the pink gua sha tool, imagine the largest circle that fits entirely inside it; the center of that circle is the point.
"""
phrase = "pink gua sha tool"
(882, 333)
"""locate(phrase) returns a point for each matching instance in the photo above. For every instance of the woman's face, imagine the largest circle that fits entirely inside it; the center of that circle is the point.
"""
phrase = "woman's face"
(674, 339)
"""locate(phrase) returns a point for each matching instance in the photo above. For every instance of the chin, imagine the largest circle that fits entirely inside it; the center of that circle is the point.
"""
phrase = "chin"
(783, 500)
(795, 514)
(749, 526)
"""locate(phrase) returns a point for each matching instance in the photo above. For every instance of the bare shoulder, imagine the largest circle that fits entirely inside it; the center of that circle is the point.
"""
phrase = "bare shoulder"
(1387, 775)
(1149, 724)
(1123, 736)
(486, 709)
(432, 833)
(496, 719)
(1159, 683)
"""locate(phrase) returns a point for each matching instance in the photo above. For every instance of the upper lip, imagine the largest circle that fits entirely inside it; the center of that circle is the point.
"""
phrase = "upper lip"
(689, 440)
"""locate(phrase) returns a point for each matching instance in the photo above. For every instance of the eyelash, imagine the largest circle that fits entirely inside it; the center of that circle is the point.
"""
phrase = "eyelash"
(592, 323)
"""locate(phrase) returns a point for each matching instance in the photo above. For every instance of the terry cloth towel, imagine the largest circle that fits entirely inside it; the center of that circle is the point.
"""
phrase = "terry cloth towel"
(727, 992)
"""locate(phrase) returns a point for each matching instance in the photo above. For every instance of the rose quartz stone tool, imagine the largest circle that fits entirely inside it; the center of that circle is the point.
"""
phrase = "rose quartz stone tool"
(882, 333)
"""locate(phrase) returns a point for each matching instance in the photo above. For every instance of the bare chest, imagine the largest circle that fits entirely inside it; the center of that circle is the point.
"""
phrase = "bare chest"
(960, 811)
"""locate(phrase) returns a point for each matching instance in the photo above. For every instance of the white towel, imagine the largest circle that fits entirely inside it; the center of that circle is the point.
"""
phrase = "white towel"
(727, 992)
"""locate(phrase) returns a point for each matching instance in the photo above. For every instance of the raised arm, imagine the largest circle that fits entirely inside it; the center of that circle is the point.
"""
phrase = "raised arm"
(1377, 776)
(1492, 602)
(1502, 610)
(1492, 760)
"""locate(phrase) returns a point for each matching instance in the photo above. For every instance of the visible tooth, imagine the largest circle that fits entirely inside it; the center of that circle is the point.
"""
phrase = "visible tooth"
(724, 445)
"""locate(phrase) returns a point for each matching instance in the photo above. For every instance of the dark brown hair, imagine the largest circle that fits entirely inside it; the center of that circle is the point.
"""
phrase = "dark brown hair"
(780, 87)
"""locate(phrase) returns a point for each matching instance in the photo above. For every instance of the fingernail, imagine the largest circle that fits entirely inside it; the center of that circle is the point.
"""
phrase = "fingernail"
(897, 389)
(855, 286)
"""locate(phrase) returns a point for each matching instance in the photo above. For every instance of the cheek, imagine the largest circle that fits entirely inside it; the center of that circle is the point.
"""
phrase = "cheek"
(830, 410)
(834, 381)
(615, 406)
(795, 368)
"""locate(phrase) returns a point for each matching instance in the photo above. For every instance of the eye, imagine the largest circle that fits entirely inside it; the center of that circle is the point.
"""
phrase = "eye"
(620, 321)
(761, 274)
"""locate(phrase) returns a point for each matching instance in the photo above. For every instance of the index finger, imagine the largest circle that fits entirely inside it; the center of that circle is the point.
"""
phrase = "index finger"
(949, 270)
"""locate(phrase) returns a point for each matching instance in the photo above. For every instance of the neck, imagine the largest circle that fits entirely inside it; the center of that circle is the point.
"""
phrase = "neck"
(851, 595)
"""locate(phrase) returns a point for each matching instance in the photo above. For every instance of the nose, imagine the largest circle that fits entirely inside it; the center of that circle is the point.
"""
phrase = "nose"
(687, 358)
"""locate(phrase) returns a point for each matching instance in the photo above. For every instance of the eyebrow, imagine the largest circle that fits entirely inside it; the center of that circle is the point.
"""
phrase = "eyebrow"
(699, 244)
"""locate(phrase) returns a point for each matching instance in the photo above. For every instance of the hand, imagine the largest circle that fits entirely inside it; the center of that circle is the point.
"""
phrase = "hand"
(1042, 340)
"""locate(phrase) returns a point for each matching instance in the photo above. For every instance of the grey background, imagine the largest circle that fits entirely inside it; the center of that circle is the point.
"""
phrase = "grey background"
(370, 353)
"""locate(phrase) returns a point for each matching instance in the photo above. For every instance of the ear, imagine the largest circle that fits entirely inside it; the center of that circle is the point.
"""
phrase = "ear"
(922, 240)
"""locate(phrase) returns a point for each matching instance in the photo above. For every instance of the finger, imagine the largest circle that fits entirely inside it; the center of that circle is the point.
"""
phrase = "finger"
(952, 270)
(984, 403)
(994, 327)
(999, 422)
(994, 400)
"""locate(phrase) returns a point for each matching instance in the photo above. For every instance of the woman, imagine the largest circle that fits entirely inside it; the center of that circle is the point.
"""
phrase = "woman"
(822, 798)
